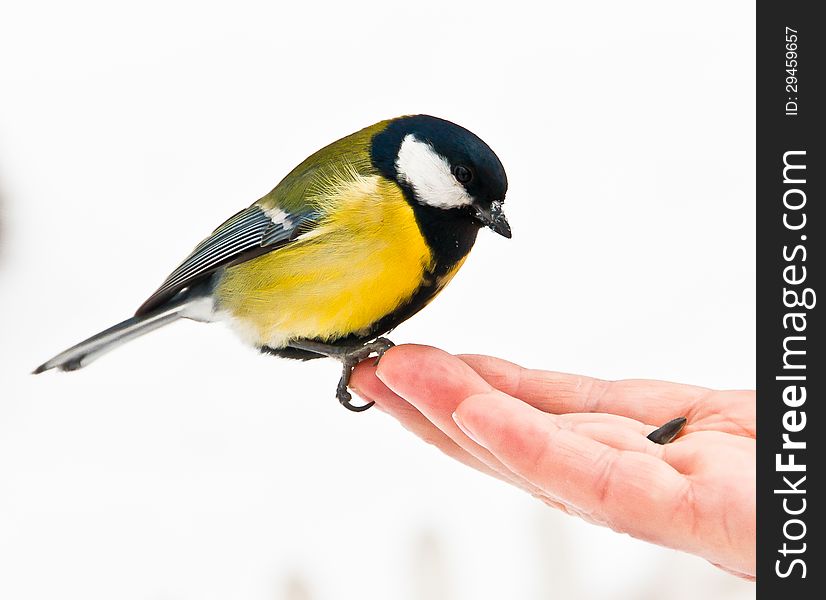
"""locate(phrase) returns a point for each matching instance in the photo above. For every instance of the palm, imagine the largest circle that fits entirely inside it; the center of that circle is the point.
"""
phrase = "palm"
(579, 444)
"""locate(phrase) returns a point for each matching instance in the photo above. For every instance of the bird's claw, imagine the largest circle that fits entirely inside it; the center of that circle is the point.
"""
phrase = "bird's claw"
(345, 398)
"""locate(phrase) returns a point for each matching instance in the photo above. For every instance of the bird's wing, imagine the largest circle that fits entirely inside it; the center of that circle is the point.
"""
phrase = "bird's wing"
(294, 207)
(253, 231)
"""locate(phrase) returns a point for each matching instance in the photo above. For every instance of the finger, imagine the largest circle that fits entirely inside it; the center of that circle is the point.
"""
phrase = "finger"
(662, 435)
(627, 434)
(621, 439)
(631, 491)
(648, 401)
(572, 420)
(435, 382)
(365, 383)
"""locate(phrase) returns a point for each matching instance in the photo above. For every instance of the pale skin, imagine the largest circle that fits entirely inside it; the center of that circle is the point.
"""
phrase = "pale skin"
(579, 444)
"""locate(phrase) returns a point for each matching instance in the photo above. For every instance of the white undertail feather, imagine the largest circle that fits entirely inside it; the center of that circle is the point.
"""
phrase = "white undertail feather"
(88, 350)
(428, 172)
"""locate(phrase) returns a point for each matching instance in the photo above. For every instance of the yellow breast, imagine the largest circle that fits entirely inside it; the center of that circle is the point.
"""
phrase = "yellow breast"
(357, 266)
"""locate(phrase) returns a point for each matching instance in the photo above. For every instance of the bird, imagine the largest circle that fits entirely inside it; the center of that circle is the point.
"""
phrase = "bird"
(356, 239)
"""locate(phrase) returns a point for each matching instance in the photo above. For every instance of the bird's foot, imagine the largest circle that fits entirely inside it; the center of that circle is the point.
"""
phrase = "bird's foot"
(349, 361)
(349, 356)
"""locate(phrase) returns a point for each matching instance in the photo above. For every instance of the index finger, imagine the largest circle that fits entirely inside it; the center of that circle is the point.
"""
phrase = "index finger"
(646, 400)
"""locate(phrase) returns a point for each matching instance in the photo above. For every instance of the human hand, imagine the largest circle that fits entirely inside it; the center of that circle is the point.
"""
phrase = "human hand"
(579, 444)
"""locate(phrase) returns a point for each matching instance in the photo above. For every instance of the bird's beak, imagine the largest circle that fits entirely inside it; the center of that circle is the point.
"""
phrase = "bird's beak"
(494, 218)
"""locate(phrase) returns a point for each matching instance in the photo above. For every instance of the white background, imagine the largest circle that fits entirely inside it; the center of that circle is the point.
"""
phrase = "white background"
(186, 466)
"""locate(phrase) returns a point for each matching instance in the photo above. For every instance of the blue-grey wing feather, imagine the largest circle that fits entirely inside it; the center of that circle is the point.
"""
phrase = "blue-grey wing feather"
(243, 236)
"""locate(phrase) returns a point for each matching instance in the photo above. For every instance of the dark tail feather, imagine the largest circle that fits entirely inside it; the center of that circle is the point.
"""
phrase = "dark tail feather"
(82, 354)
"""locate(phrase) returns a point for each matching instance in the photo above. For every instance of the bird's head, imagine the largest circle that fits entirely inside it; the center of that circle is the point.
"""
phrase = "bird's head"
(444, 166)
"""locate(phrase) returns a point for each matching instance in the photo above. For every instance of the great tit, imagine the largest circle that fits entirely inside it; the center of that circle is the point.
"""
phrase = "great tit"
(356, 239)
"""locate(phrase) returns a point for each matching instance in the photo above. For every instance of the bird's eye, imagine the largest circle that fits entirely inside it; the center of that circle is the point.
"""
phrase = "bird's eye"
(462, 174)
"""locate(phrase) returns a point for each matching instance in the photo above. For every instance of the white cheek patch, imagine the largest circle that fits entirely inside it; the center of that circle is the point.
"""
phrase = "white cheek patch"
(428, 173)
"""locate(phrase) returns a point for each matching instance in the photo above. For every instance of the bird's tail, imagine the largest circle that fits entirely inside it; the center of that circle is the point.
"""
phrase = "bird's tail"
(80, 355)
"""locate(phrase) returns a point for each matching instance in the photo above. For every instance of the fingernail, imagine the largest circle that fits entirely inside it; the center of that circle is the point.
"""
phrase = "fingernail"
(457, 419)
(379, 372)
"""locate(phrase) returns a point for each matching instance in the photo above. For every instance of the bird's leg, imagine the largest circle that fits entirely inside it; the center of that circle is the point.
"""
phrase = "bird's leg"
(349, 362)
(349, 356)
(667, 433)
